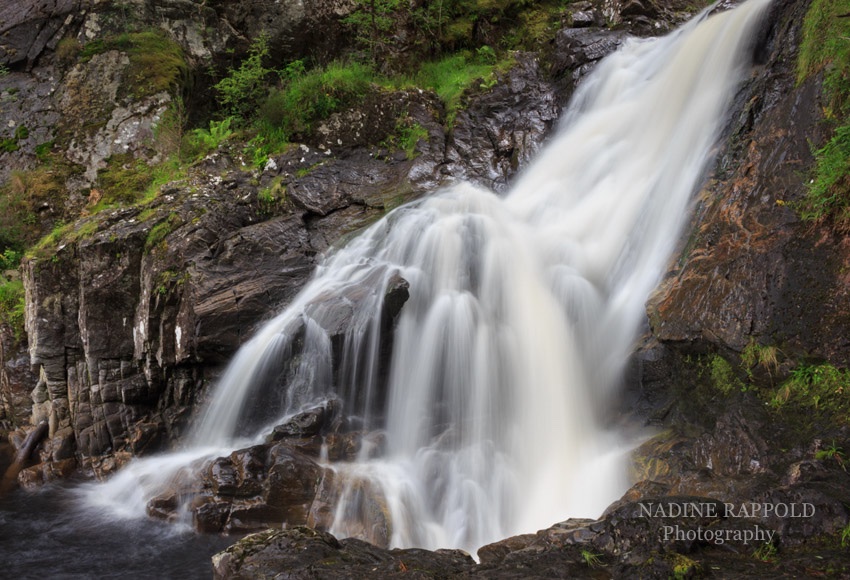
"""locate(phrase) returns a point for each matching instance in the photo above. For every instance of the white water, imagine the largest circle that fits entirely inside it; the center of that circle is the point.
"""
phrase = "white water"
(522, 312)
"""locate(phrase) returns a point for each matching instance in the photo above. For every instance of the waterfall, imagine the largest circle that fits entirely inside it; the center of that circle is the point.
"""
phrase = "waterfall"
(521, 312)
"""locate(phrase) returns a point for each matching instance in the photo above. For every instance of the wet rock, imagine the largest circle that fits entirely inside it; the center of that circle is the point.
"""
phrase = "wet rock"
(308, 423)
(750, 267)
(239, 475)
(305, 553)
(292, 483)
(39, 475)
(210, 516)
(503, 128)
(577, 50)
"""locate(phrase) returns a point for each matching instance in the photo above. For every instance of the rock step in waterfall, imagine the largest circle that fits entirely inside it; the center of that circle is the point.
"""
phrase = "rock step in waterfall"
(443, 379)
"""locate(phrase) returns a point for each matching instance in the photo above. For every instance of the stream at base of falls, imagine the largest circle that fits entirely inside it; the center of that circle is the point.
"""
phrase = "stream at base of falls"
(51, 535)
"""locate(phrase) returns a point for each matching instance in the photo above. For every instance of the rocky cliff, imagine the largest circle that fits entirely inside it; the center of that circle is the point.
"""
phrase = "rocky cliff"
(131, 311)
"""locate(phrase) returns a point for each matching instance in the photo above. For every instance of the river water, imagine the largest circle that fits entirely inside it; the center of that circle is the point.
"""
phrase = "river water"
(51, 535)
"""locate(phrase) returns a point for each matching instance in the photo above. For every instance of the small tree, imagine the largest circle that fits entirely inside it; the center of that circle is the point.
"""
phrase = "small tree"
(243, 88)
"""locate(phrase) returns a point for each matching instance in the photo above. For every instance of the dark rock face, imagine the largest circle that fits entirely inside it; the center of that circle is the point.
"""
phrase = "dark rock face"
(116, 360)
(509, 122)
(751, 268)
(30, 26)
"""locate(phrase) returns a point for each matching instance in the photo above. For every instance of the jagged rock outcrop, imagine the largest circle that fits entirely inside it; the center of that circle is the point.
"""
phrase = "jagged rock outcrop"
(128, 325)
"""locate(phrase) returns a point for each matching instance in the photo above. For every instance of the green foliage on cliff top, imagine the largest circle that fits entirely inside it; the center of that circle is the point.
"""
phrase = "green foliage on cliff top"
(825, 48)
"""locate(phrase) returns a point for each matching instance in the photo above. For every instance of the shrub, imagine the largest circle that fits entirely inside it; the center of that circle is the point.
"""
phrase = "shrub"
(242, 89)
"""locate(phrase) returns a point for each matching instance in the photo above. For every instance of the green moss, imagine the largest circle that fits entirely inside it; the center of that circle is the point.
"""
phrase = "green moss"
(63, 234)
(825, 49)
(723, 375)
(161, 230)
(157, 63)
(8, 145)
(406, 137)
(123, 180)
(683, 567)
(42, 151)
(129, 181)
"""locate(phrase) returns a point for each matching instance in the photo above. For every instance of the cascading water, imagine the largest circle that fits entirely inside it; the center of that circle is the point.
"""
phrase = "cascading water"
(522, 311)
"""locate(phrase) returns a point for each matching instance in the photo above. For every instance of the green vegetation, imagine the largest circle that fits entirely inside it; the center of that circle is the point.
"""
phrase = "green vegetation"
(591, 559)
(12, 305)
(845, 536)
(201, 142)
(757, 355)
(20, 199)
(315, 95)
(833, 452)
(723, 376)
(265, 105)
(825, 48)
(161, 230)
(452, 76)
(243, 87)
(168, 279)
(271, 196)
(10, 144)
(817, 388)
(447, 26)
(765, 553)
(407, 135)
(683, 567)
(156, 62)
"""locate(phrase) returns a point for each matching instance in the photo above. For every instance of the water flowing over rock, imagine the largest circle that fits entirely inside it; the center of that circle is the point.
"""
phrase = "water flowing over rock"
(129, 336)
(519, 315)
